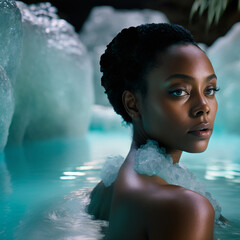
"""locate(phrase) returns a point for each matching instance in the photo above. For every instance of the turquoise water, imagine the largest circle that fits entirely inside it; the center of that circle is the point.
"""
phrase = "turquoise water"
(44, 186)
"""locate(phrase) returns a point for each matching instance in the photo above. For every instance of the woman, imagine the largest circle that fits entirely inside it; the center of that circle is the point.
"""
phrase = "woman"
(161, 82)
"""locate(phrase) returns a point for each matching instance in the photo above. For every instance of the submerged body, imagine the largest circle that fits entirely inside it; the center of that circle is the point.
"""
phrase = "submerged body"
(147, 207)
(177, 110)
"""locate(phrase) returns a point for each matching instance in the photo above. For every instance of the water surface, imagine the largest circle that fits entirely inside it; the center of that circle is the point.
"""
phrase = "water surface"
(44, 186)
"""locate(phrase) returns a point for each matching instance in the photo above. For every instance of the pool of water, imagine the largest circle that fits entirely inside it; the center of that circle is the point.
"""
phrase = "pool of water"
(44, 186)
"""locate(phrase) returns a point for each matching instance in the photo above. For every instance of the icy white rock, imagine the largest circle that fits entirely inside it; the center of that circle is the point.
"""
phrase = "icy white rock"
(102, 26)
(10, 51)
(54, 89)
(105, 22)
(104, 118)
(11, 37)
(225, 56)
(6, 107)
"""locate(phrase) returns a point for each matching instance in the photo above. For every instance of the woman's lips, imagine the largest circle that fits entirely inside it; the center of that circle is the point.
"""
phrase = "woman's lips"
(201, 130)
(206, 133)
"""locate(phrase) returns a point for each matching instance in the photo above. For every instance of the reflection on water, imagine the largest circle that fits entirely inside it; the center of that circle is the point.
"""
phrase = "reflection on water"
(223, 169)
(5, 183)
(62, 219)
(44, 186)
(46, 159)
(219, 167)
(79, 171)
(226, 162)
(34, 171)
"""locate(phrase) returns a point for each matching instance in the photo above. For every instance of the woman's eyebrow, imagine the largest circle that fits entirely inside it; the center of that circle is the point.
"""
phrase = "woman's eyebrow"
(187, 77)
(211, 77)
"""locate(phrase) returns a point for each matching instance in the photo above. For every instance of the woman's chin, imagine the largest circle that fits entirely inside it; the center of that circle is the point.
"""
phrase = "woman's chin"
(197, 148)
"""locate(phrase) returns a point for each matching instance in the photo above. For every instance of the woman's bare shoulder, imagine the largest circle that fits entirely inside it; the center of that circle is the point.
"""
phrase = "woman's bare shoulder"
(143, 207)
(190, 215)
(165, 211)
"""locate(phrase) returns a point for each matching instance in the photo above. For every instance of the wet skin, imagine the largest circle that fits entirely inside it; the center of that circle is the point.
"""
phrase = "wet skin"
(179, 103)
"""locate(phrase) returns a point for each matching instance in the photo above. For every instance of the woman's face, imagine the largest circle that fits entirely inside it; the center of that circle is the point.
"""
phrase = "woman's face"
(180, 106)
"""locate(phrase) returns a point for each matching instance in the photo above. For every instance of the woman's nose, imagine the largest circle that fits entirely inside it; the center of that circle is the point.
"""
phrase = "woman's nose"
(200, 107)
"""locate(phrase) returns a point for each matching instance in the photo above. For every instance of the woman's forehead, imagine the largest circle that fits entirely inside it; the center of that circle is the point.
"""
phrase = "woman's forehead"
(188, 60)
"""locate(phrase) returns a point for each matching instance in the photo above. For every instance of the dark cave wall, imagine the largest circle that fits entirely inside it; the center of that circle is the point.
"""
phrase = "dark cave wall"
(76, 12)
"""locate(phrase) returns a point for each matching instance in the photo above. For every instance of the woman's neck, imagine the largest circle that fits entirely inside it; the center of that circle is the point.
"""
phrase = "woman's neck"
(140, 138)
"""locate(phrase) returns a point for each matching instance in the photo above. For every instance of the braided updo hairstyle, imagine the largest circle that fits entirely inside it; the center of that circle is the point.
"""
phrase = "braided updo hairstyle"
(130, 56)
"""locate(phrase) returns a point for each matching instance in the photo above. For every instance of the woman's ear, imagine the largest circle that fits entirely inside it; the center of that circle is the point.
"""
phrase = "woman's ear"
(131, 104)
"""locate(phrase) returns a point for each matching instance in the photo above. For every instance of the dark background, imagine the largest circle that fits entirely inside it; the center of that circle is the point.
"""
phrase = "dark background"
(177, 11)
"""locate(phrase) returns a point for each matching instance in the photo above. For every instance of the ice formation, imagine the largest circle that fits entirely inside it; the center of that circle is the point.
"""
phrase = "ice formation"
(225, 57)
(6, 107)
(104, 118)
(53, 88)
(152, 160)
(11, 36)
(10, 51)
(102, 26)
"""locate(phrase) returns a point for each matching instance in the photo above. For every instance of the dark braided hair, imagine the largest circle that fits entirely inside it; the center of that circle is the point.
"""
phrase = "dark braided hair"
(130, 56)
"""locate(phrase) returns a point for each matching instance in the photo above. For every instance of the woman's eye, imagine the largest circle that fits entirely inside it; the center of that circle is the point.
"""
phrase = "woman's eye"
(178, 92)
(212, 91)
